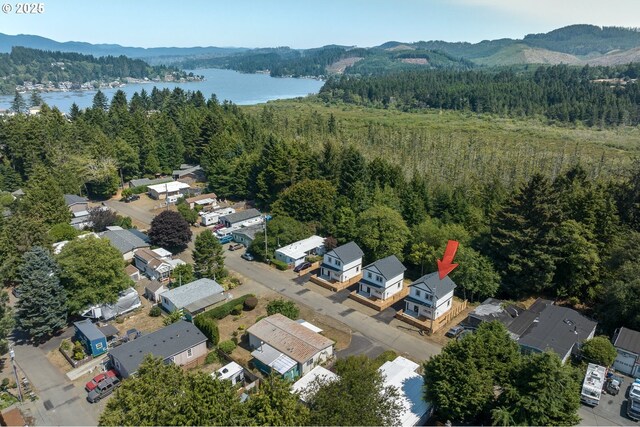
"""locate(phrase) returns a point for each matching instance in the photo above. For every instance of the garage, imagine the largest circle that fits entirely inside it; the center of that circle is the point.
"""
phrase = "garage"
(627, 344)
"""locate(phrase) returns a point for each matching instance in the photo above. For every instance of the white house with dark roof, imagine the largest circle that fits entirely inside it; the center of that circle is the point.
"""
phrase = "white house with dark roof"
(194, 297)
(295, 253)
(383, 278)
(342, 263)
(627, 344)
(246, 235)
(429, 296)
(244, 218)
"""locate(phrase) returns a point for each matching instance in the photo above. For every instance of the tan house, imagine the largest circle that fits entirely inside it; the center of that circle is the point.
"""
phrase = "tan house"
(287, 347)
(180, 343)
(203, 201)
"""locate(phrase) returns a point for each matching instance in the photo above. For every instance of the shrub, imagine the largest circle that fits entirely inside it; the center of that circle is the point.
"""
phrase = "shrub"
(233, 282)
(237, 309)
(5, 383)
(155, 311)
(280, 265)
(208, 327)
(212, 357)
(119, 319)
(286, 308)
(78, 351)
(66, 345)
(225, 309)
(227, 346)
(250, 303)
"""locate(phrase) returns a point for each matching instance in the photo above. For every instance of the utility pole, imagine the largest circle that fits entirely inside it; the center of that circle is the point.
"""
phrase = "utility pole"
(12, 354)
(266, 257)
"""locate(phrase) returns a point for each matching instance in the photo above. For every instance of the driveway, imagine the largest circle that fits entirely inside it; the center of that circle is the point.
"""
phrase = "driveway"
(141, 211)
(259, 276)
(60, 402)
(612, 410)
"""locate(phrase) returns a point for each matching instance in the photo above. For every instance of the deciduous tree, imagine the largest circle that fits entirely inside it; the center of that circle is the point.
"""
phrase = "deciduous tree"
(599, 350)
(170, 230)
(382, 232)
(92, 272)
(275, 405)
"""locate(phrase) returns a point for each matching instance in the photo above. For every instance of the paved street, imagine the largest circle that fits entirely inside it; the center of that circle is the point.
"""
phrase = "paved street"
(379, 333)
(59, 401)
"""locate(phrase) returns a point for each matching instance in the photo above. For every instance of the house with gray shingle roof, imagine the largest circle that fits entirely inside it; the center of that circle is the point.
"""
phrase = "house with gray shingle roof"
(126, 241)
(180, 343)
(79, 208)
(342, 263)
(429, 296)
(194, 297)
(383, 278)
(244, 218)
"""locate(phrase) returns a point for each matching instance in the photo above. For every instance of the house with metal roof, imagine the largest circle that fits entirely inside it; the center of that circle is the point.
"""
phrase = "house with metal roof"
(171, 191)
(627, 344)
(244, 218)
(402, 374)
(145, 182)
(429, 297)
(180, 343)
(203, 201)
(382, 279)
(295, 253)
(194, 297)
(317, 374)
(342, 263)
(126, 241)
(555, 328)
(284, 346)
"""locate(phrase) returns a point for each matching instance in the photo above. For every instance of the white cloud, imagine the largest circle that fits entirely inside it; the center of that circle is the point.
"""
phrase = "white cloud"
(625, 13)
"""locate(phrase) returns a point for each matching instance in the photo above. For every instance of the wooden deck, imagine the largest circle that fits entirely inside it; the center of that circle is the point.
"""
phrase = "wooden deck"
(334, 286)
(437, 324)
(377, 303)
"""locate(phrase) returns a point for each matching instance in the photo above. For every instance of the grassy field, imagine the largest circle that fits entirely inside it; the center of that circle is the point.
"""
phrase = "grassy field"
(458, 147)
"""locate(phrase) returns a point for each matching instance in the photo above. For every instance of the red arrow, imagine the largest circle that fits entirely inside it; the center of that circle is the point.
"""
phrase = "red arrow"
(446, 266)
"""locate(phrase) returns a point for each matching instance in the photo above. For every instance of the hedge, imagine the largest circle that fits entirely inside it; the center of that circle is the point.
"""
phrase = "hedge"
(208, 327)
(225, 309)
(280, 265)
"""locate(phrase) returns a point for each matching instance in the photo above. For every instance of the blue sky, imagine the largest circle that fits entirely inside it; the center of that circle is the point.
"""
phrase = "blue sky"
(303, 24)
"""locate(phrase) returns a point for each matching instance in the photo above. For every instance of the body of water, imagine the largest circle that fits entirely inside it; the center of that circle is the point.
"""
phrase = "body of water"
(239, 88)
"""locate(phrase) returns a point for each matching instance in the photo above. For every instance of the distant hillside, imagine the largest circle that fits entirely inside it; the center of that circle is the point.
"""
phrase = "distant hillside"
(47, 70)
(520, 53)
(152, 55)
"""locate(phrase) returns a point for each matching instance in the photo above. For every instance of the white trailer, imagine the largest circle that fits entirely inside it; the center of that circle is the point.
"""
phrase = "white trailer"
(593, 384)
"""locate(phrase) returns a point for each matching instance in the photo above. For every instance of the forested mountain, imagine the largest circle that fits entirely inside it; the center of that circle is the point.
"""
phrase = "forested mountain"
(39, 66)
(153, 55)
(330, 59)
(595, 96)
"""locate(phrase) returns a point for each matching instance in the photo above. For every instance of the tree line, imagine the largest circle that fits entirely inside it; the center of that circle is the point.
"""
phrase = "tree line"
(559, 93)
(33, 65)
(563, 236)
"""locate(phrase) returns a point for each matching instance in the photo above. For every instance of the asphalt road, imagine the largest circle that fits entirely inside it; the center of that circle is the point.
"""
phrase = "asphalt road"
(260, 276)
(60, 402)
(612, 410)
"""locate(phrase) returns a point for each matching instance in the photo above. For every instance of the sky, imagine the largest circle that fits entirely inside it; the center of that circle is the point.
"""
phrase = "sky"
(304, 23)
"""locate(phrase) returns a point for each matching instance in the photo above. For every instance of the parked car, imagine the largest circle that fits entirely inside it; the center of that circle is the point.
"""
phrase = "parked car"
(225, 239)
(99, 378)
(217, 227)
(131, 198)
(236, 246)
(613, 384)
(247, 256)
(633, 409)
(634, 391)
(103, 389)
(454, 332)
(298, 268)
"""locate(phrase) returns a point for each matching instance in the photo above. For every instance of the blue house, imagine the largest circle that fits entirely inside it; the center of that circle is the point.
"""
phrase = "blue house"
(93, 340)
